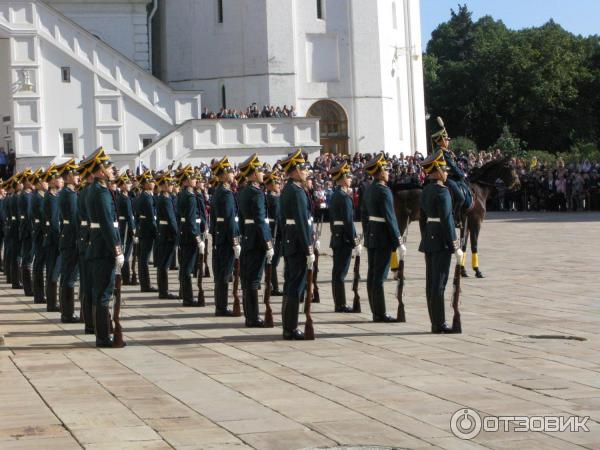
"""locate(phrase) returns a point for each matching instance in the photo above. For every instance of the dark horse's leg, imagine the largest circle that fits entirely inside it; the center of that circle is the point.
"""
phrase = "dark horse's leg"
(475, 228)
(464, 238)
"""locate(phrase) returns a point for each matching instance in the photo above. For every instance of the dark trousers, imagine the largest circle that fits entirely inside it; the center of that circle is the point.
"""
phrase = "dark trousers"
(39, 262)
(165, 252)
(437, 268)
(85, 286)
(252, 266)
(294, 285)
(146, 246)
(188, 255)
(52, 264)
(15, 262)
(27, 252)
(341, 264)
(103, 280)
(222, 262)
(379, 262)
(69, 268)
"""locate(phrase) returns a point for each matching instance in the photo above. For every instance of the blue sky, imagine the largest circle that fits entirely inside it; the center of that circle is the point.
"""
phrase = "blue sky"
(576, 16)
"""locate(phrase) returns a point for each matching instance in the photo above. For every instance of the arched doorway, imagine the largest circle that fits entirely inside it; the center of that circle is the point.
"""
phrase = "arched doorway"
(333, 124)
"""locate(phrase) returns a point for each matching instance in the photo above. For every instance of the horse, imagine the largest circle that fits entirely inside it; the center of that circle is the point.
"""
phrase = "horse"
(482, 184)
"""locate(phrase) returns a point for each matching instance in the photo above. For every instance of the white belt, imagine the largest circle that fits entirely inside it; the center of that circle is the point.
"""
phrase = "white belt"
(95, 226)
(433, 219)
(310, 220)
(47, 223)
(121, 217)
(13, 218)
(220, 219)
(198, 220)
(270, 220)
(163, 222)
(376, 219)
(338, 223)
(182, 219)
(22, 217)
(66, 222)
(290, 222)
(249, 221)
(36, 220)
(84, 223)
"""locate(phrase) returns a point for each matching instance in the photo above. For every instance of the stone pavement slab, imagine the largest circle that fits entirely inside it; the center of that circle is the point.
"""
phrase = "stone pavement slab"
(190, 380)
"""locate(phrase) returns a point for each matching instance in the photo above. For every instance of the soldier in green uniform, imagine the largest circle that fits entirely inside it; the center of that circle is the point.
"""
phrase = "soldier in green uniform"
(39, 260)
(86, 270)
(273, 186)
(456, 179)
(201, 202)
(127, 228)
(382, 235)
(190, 239)
(15, 261)
(344, 240)
(26, 231)
(104, 252)
(257, 243)
(147, 229)
(225, 233)
(52, 236)
(168, 231)
(69, 255)
(438, 238)
(8, 241)
(298, 250)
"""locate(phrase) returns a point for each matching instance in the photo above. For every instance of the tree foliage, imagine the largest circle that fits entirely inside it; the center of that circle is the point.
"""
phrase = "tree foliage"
(541, 83)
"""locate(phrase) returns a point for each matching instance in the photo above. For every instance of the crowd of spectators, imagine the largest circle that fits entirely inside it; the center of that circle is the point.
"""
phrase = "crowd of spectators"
(7, 163)
(251, 112)
(559, 187)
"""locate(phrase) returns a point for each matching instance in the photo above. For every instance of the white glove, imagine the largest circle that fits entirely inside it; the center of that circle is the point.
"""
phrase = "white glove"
(237, 251)
(459, 255)
(356, 251)
(136, 240)
(201, 247)
(401, 252)
(120, 260)
(310, 261)
(270, 254)
(317, 245)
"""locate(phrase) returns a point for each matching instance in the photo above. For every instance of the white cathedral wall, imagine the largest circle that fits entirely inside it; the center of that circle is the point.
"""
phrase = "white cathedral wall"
(67, 106)
(122, 24)
(5, 84)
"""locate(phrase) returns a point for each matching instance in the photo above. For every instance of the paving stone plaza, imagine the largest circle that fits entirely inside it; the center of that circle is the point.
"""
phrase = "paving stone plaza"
(188, 380)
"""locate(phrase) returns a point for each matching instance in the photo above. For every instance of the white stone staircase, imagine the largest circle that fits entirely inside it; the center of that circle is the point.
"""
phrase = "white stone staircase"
(198, 141)
(29, 23)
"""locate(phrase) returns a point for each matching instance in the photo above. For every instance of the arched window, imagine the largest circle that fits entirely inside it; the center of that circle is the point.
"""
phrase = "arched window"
(333, 125)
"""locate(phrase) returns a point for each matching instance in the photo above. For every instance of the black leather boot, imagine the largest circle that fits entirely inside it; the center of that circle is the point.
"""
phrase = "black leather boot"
(126, 274)
(67, 305)
(275, 292)
(38, 288)
(339, 298)
(27, 283)
(103, 327)
(252, 318)
(145, 285)
(162, 276)
(51, 300)
(16, 276)
(221, 309)
(188, 292)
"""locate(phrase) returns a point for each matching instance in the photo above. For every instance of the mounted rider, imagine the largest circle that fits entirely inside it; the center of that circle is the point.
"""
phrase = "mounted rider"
(457, 180)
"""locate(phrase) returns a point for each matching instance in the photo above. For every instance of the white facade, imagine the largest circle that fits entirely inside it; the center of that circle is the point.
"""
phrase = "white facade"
(80, 69)
(365, 55)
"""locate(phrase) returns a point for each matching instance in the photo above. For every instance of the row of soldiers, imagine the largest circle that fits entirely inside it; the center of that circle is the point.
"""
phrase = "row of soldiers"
(80, 221)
